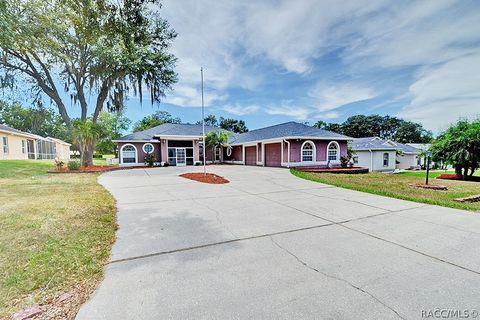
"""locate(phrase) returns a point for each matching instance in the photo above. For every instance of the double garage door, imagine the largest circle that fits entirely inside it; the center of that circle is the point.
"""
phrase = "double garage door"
(273, 155)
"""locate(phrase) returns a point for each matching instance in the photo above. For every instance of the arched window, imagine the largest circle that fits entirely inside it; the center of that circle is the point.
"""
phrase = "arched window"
(129, 154)
(148, 148)
(333, 151)
(308, 151)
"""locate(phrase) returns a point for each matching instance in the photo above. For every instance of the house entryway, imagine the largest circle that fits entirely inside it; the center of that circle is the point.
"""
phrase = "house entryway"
(180, 153)
(181, 156)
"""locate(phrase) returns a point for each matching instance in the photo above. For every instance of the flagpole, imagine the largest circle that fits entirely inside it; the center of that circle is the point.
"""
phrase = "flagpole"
(203, 129)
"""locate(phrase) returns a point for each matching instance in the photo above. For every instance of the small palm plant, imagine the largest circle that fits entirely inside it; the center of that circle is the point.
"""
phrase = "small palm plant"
(86, 134)
(217, 139)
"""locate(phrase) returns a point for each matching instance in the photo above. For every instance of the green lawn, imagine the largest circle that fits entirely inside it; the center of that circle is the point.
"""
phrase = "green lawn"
(397, 186)
(431, 174)
(56, 233)
(102, 161)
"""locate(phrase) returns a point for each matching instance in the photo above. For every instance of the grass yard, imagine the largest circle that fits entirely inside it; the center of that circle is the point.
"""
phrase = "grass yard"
(432, 174)
(102, 161)
(56, 234)
(397, 186)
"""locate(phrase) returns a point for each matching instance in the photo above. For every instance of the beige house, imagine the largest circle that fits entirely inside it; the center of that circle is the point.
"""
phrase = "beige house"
(19, 145)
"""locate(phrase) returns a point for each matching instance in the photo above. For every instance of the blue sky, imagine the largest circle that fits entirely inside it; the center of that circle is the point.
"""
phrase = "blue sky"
(306, 60)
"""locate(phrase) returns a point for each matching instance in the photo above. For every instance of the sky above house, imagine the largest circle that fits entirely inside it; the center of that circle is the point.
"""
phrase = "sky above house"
(274, 61)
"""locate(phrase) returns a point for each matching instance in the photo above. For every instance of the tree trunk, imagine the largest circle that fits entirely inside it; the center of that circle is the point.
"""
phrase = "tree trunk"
(86, 154)
(458, 170)
(465, 173)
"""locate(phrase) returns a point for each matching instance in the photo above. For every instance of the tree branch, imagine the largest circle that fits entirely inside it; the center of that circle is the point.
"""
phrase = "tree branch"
(102, 96)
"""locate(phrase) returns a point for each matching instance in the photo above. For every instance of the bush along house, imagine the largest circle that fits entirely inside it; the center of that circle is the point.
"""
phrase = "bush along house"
(288, 144)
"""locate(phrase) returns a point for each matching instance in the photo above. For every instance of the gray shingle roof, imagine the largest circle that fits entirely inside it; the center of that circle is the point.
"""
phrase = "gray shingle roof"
(371, 143)
(375, 143)
(4, 127)
(285, 130)
(169, 129)
(408, 149)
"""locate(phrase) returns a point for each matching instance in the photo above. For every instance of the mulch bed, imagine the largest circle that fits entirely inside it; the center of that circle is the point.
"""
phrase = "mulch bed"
(205, 178)
(350, 170)
(475, 198)
(86, 169)
(429, 186)
(452, 176)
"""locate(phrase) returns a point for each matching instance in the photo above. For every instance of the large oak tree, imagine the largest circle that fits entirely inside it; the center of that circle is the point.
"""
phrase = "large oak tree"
(97, 51)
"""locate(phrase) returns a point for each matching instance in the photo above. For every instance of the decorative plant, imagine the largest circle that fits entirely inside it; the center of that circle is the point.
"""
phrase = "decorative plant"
(59, 164)
(344, 160)
(150, 159)
(73, 165)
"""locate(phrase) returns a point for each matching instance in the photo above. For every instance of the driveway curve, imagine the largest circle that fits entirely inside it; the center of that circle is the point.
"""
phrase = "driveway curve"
(269, 245)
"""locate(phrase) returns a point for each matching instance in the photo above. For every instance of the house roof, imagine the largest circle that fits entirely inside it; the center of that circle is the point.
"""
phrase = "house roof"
(286, 130)
(8, 129)
(59, 141)
(375, 143)
(371, 143)
(408, 149)
(168, 129)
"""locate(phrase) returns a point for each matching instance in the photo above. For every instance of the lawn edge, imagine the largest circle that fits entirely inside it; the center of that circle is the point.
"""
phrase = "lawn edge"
(302, 175)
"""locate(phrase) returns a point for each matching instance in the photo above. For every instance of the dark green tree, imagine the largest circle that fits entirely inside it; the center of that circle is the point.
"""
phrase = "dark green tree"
(37, 120)
(210, 120)
(97, 51)
(459, 146)
(113, 126)
(156, 119)
(413, 132)
(237, 126)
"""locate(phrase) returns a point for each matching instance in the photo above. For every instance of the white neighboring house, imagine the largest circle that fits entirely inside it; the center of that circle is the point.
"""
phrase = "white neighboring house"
(384, 155)
(374, 154)
(19, 145)
(422, 147)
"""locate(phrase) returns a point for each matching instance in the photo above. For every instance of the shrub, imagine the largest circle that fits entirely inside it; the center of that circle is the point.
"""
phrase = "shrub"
(344, 161)
(150, 159)
(73, 165)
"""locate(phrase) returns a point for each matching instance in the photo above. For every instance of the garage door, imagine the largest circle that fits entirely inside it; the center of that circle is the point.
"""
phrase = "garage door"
(273, 157)
(250, 156)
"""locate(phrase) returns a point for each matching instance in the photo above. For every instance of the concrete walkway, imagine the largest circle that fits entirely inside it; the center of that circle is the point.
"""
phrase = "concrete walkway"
(269, 245)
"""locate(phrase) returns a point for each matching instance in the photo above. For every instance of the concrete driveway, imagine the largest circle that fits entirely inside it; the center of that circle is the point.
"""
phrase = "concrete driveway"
(269, 245)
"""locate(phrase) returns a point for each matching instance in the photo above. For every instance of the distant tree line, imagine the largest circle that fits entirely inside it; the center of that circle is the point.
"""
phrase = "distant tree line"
(161, 117)
(385, 127)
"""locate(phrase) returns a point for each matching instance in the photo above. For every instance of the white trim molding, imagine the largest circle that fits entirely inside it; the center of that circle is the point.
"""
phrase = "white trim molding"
(314, 151)
(338, 151)
(121, 154)
(148, 144)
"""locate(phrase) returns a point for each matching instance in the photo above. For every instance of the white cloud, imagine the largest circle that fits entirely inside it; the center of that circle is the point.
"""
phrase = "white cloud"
(232, 40)
(189, 96)
(299, 113)
(333, 97)
(240, 110)
(442, 94)
(330, 115)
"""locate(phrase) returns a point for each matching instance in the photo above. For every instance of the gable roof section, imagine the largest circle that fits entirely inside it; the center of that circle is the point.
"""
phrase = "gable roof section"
(5, 128)
(371, 143)
(168, 129)
(375, 143)
(286, 130)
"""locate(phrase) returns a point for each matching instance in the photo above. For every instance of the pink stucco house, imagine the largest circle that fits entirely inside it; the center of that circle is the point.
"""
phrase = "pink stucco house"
(288, 144)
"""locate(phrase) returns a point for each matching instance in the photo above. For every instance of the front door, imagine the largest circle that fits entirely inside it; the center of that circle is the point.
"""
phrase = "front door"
(181, 156)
